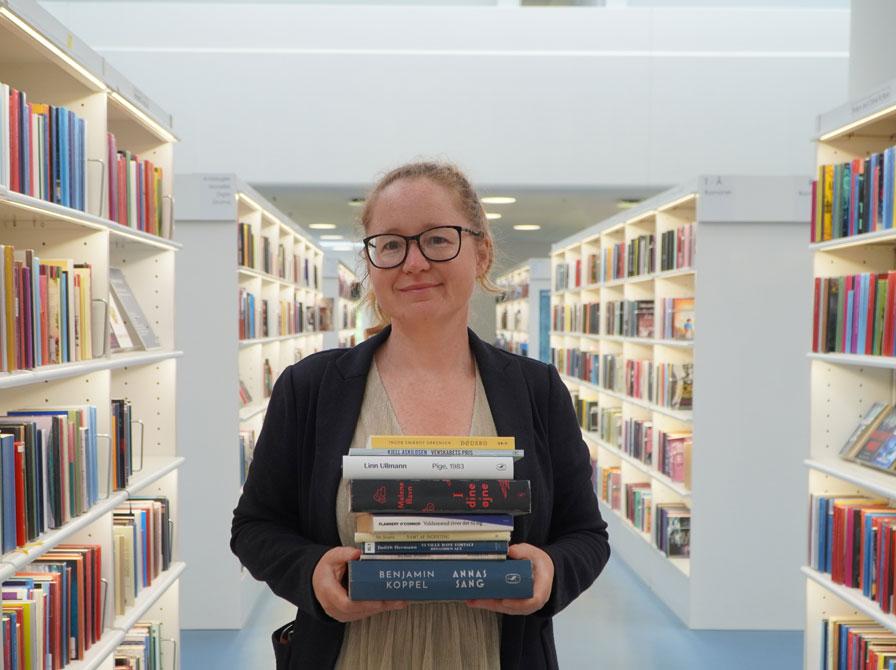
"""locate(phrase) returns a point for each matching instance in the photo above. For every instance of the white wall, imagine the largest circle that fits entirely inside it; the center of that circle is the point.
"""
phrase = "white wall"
(286, 93)
(872, 49)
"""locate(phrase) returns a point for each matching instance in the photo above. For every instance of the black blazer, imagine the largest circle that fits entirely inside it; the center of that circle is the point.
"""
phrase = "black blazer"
(286, 517)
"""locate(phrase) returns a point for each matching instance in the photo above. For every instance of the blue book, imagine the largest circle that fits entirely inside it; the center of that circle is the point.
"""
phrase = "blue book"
(8, 491)
(829, 533)
(82, 157)
(63, 157)
(439, 580)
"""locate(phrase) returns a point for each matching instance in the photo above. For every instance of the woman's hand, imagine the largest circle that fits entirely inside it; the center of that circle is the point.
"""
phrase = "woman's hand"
(542, 578)
(331, 594)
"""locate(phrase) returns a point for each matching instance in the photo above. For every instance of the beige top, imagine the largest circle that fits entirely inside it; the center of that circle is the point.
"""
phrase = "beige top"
(424, 636)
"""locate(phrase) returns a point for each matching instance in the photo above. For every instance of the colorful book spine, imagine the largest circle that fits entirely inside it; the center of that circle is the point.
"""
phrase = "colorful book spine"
(439, 580)
(505, 496)
(440, 548)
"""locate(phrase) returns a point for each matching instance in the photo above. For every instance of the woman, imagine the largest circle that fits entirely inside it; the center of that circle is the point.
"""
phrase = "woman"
(427, 244)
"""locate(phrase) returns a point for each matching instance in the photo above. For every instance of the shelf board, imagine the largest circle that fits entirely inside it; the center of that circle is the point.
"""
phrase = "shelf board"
(656, 475)
(682, 564)
(684, 344)
(267, 340)
(100, 651)
(879, 482)
(154, 468)
(149, 597)
(685, 416)
(852, 596)
(886, 236)
(34, 211)
(253, 410)
(855, 360)
(17, 559)
(48, 373)
(678, 272)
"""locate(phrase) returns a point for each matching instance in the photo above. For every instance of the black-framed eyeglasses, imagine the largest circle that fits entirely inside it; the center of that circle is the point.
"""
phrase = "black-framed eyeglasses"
(438, 245)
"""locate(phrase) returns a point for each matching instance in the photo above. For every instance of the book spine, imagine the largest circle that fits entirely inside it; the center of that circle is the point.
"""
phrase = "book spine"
(423, 467)
(439, 580)
(494, 453)
(441, 495)
(396, 523)
(459, 547)
(438, 442)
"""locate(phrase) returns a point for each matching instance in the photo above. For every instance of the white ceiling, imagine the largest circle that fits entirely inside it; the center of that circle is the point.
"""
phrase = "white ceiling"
(560, 213)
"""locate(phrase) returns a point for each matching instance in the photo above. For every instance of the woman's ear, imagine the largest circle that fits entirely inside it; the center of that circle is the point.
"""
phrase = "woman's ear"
(483, 257)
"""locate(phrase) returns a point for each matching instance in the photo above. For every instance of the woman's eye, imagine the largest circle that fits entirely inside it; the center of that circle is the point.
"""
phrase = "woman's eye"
(438, 241)
(391, 245)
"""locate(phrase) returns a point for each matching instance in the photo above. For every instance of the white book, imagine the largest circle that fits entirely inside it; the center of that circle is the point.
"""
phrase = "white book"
(425, 467)
(426, 523)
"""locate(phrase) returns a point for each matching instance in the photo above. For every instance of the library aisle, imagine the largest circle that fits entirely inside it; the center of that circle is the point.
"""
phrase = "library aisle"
(608, 621)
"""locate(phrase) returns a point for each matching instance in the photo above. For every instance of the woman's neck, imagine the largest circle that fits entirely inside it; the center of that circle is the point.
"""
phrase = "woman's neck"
(445, 348)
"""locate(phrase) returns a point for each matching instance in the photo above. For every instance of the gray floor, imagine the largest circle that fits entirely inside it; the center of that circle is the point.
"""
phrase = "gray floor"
(617, 624)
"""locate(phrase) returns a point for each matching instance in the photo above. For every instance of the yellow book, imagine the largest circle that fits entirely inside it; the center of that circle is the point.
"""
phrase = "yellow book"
(827, 172)
(473, 536)
(84, 309)
(818, 205)
(439, 442)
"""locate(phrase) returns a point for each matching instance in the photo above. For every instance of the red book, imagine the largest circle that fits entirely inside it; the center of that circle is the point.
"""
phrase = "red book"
(814, 214)
(21, 538)
(44, 317)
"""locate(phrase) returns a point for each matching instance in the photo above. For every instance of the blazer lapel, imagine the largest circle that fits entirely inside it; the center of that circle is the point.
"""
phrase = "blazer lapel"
(511, 408)
(339, 402)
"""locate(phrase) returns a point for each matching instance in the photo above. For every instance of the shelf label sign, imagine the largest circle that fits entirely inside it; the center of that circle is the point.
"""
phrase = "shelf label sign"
(217, 196)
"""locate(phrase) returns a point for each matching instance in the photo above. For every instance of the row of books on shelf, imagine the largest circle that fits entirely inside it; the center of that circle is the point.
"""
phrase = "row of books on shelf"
(135, 191)
(49, 466)
(330, 319)
(853, 198)
(515, 320)
(853, 539)
(42, 150)
(47, 312)
(634, 258)
(664, 384)
(293, 317)
(512, 345)
(513, 292)
(141, 648)
(349, 288)
(668, 523)
(665, 318)
(266, 386)
(856, 643)
(53, 611)
(426, 537)
(667, 452)
(855, 314)
(302, 270)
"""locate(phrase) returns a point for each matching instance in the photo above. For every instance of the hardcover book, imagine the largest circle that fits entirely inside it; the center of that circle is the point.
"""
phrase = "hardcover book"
(504, 496)
(879, 450)
(439, 442)
(439, 580)
(425, 523)
(135, 320)
(865, 427)
(422, 467)
(427, 548)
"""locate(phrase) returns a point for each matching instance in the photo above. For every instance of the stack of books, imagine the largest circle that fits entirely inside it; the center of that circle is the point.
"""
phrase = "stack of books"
(428, 536)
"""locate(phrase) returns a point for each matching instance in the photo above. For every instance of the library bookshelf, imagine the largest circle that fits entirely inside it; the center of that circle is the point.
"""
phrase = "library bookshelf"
(41, 59)
(733, 244)
(845, 385)
(284, 268)
(342, 296)
(522, 312)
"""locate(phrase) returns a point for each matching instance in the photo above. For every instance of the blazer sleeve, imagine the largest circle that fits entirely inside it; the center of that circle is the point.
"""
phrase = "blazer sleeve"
(265, 532)
(578, 542)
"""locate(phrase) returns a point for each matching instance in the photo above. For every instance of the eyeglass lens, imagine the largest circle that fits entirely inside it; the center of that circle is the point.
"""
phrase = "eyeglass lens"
(436, 244)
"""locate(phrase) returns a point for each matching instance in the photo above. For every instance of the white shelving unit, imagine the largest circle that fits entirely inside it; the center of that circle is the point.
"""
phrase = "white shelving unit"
(747, 395)
(39, 56)
(341, 288)
(519, 312)
(210, 207)
(844, 386)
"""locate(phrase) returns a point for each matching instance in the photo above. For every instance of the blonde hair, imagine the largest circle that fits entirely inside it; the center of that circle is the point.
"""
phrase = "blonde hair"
(452, 178)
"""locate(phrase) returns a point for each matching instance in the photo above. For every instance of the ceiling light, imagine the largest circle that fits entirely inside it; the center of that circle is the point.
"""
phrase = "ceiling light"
(492, 216)
(498, 200)
(322, 226)
(626, 203)
(527, 226)
(331, 237)
(356, 202)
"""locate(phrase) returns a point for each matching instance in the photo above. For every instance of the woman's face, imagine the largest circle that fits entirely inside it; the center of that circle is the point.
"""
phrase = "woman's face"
(418, 290)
